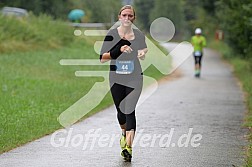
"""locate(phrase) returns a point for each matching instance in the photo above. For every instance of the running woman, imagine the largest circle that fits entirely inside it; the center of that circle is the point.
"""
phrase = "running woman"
(123, 46)
(199, 42)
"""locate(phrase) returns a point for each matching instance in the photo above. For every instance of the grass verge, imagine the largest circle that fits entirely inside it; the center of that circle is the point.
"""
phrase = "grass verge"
(243, 71)
(35, 89)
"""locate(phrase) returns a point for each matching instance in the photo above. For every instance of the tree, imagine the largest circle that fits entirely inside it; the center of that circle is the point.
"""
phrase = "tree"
(143, 9)
(101, 10)
(173, 10)
(235, 19)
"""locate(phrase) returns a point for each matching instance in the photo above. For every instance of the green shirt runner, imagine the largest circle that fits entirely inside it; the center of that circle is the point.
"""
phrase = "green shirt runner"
(198, 42)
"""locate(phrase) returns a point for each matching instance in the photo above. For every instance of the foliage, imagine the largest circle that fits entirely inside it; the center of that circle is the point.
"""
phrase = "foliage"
(55, 8)
(171, 9)
(103, 11)
(235, 18)
(149, 10)
(143, 8)
(96, 11)
(33, 32)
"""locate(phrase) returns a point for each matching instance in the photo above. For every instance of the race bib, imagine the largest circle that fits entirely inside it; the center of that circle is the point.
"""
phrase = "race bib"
(197, 53)
(124, 67)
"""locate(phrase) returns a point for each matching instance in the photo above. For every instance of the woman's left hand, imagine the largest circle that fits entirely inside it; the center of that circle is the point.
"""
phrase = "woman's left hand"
(141, 54)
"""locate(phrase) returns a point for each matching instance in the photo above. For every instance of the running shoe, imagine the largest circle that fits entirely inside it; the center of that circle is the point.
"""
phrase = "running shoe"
(197, 73)
(127, 153)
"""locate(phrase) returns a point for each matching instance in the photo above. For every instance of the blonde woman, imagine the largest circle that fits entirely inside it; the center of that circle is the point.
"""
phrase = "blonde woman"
(123, 47)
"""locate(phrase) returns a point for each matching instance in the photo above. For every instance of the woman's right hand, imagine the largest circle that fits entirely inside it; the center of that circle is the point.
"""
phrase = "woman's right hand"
(126, 49)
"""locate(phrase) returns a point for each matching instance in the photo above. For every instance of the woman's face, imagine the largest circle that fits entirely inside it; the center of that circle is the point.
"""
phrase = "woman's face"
(127, 17)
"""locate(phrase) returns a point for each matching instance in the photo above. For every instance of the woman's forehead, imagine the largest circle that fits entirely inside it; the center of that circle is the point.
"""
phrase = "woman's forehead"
(127, 11)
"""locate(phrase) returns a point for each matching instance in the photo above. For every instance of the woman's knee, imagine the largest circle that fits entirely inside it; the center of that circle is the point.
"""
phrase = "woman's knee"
(131, 121)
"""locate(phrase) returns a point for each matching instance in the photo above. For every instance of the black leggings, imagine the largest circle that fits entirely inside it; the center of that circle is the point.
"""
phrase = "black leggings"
(198, 60)
(126, 106)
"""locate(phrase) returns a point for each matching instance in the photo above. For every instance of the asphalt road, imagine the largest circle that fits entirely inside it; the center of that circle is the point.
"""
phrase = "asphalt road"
(186, 122)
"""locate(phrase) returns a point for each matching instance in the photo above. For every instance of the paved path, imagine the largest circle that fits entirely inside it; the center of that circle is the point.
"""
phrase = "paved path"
(186, 122)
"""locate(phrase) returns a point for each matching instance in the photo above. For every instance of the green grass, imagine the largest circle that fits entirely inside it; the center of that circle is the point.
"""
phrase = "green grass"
(35, 89)
(29, 33)
(243, 71)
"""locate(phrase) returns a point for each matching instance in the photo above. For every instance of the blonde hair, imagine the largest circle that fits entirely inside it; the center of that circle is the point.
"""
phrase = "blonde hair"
(127, 7)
